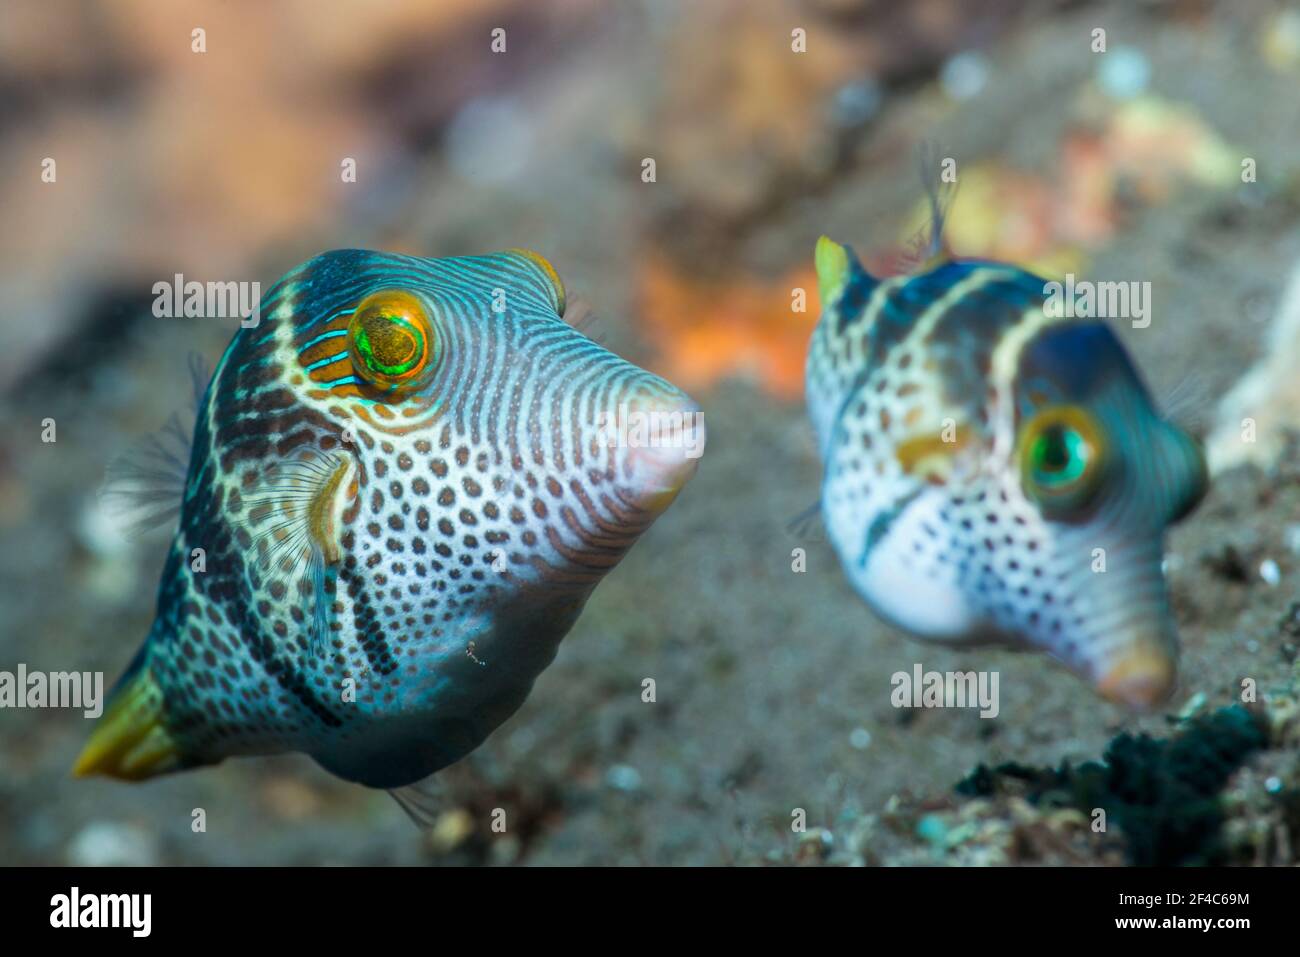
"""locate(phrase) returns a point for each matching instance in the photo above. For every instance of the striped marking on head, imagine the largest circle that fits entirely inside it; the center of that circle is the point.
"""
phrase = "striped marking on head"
(376, 328)
(977, 278)
(327, 359)
(969, 320)
(1005, 363)
(912, 321)
(558, 295)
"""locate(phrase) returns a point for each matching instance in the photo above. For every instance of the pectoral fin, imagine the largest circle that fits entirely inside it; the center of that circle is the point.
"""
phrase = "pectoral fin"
(294, 517)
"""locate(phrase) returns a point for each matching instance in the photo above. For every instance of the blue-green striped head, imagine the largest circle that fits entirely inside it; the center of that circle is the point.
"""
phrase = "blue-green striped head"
(459, 381)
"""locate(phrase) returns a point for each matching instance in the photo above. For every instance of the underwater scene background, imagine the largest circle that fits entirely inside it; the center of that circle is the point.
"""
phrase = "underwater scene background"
(1167, 158)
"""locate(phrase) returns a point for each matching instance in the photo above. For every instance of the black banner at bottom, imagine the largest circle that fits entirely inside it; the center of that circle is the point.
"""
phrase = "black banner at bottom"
(333, 905)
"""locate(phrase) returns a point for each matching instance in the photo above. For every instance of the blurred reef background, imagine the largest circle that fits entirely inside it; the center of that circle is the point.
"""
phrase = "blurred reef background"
(772, 687)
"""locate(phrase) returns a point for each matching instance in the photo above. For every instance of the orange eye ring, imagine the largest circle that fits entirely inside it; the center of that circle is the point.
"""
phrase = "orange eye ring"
(392, 340)
(1062, 455)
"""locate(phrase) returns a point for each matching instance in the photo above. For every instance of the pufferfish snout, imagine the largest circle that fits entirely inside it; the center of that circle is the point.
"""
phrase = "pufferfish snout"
(405, 482)
(996, 473)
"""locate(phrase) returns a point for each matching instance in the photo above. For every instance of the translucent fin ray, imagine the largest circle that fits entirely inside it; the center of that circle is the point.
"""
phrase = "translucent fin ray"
(289, 514)
(143, 488)
(422, 802)
(926, 248)
(806, 522)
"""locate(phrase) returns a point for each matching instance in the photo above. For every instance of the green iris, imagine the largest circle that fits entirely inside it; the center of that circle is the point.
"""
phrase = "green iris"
(1058, 457)
(390, 345)
(1061, 453)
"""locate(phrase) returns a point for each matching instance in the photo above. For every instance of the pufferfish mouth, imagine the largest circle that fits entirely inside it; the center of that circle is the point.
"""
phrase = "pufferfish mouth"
(1141, 677)
(664, 439)
(1112, 625)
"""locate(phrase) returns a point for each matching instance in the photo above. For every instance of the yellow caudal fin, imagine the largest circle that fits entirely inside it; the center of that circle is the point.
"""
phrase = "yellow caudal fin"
(130, 741)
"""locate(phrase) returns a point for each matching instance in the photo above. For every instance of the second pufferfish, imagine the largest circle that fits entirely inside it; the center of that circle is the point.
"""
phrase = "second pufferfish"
(995, 472)
(405, 482)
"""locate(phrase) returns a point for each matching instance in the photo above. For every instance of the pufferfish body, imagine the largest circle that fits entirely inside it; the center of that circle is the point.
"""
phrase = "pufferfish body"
(403, 487)
(994, 473)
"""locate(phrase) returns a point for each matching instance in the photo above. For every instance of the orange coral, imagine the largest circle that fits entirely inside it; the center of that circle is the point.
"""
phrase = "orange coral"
(708, 330)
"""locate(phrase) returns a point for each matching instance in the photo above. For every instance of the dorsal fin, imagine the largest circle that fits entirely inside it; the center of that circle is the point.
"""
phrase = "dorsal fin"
(927, 248)
(144, 486)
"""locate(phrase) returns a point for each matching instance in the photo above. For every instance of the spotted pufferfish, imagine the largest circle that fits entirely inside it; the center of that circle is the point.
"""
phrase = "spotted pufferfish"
(996, 474)
(404, 486)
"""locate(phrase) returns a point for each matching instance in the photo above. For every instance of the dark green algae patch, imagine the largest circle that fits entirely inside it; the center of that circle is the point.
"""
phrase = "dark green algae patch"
(1164, 794)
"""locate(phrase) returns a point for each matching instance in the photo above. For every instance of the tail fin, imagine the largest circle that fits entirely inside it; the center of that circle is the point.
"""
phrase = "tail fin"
(130, 741)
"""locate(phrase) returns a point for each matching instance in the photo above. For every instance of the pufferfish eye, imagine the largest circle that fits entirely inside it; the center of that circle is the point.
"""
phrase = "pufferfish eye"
(1061, 453)
(392, 340)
